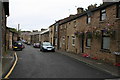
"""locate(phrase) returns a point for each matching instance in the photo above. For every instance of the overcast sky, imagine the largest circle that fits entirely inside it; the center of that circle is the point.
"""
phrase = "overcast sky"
(37, 14)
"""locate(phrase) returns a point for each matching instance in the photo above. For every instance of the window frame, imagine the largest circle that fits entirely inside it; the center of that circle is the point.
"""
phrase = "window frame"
(56, 41)
(102, 45)
(73, 40)
(88, 19)
(75, 23)
(87, 42)
(56, 28)
(101, 14)
(118, 10)
(63, 39)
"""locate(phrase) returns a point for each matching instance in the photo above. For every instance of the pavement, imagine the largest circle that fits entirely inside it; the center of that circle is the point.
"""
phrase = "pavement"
(7, 62)
(113, 70)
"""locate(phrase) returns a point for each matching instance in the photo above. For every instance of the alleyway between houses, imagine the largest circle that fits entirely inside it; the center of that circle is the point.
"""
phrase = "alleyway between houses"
(35, 64)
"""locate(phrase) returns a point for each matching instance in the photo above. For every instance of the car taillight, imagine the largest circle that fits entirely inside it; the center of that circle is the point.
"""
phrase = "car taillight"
(20, 46)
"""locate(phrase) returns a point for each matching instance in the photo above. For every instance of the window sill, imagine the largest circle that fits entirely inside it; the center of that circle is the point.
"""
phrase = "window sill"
(73, 45)
(89, 23)
(88, 47)
(116, 53)
(105, 50)
(117, 18)
(74, 27)
(102, 21)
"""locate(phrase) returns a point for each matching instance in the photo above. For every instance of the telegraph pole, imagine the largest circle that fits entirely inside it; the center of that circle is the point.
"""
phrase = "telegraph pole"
(18, 32)
(18, 28)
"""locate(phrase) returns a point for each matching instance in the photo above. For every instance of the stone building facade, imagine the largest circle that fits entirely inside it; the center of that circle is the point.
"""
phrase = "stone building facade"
(51, 34)
(11, 37)
(45, 36)
(4, 14)
(94, 32)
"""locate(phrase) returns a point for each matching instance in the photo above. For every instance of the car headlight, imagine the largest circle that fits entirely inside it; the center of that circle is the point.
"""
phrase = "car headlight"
(44, 48)
(15, 47)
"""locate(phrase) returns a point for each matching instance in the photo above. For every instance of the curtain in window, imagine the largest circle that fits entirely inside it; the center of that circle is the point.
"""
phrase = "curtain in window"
(106, 42)
(88, 42)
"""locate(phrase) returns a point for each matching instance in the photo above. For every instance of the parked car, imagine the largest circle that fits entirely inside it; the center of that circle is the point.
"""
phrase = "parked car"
(23, 46)
(18, 45)
(36, 45)
(47, 46)
(24, 41)
(28, 43)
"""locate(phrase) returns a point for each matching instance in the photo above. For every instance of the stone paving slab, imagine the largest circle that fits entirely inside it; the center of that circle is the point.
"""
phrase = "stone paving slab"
(7, 62)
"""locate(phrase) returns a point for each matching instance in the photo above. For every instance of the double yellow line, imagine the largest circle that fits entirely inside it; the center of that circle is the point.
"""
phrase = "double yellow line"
(8, 74)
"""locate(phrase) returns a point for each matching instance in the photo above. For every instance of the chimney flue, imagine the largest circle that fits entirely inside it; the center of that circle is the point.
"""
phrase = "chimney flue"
(79, 10)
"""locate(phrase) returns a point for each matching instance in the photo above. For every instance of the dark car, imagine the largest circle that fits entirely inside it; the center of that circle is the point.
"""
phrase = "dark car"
(18, 45)
(47, 46)
(36, 45)
(23, 46)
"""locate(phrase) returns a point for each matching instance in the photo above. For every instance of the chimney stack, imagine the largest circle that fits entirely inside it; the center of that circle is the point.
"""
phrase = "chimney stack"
(43, 29)
(107, 1)
(79, 10)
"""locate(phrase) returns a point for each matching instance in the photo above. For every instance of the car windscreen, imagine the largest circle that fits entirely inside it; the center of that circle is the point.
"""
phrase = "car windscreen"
(17, 43)
(37, 43)
(46, 44)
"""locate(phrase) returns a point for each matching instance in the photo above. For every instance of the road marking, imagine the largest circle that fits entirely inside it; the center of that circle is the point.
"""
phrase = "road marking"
(6, 77)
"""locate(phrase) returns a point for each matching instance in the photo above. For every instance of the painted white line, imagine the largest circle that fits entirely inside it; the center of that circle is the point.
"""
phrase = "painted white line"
(8, 74)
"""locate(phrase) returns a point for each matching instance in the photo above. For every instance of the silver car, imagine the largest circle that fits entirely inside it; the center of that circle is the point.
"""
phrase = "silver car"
(47, 46)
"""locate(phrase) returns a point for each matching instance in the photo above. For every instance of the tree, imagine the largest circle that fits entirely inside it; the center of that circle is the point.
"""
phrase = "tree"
(13, 30)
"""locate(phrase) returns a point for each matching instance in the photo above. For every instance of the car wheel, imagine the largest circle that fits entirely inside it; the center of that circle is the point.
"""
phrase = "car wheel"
(40, 50)
(53, 50)
(43, 50)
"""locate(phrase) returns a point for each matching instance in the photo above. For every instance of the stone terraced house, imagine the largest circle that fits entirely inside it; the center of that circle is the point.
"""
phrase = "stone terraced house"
(94, 32)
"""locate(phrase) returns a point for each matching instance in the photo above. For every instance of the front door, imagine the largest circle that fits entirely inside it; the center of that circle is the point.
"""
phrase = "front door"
(82, 44)
(68, 43)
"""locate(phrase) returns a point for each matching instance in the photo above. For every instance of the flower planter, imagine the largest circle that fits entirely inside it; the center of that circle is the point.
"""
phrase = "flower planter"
(117, 64)
(89, 34)
(79, 34)
(85, 55)
(97, 34)
(95, 58)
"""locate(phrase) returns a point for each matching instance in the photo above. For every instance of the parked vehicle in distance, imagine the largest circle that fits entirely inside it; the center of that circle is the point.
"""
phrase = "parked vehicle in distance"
(18, 45)
(36, 45)
(28, 43)
(24, 41)
(47, 46)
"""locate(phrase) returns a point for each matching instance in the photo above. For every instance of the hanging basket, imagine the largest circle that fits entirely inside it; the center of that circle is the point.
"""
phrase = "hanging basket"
(97, 34)
(109, 32)
(89, 34)
(79, 34)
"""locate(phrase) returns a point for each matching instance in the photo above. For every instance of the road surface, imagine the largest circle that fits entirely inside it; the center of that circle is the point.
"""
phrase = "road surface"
(33, 63)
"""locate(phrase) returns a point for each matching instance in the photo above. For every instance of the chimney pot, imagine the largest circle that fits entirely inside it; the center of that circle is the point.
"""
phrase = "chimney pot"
(79, 10)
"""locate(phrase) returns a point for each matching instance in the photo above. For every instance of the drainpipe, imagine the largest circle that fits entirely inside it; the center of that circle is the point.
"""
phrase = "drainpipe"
(0, 39)
(118, 39)
(57, 35)
(118, 44)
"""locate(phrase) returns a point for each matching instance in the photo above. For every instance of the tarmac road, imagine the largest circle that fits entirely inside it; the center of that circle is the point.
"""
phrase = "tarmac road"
(35, 64)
